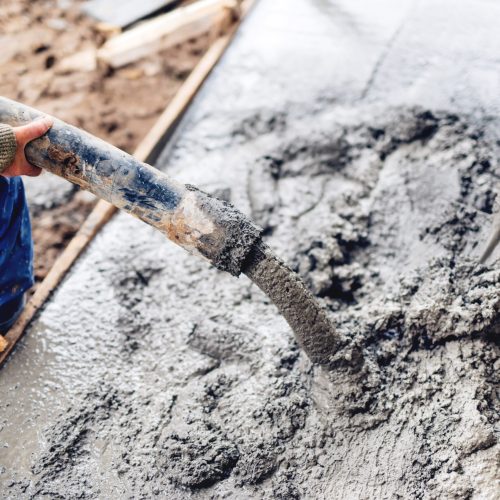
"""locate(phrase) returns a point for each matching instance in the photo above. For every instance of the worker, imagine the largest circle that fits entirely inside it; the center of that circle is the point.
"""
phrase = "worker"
(16, 245)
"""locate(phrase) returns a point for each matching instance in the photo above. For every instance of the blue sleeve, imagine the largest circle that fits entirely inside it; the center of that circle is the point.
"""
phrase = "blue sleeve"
(16, 246)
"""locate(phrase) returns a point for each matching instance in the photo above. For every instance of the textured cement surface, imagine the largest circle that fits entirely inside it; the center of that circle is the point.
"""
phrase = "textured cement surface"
(364, 140)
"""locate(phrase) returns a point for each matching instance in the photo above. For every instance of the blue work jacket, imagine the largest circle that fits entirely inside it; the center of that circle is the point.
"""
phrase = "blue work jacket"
(16, 246)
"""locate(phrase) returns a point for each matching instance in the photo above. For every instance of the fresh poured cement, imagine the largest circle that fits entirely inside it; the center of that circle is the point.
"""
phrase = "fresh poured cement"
(374, 176)
(314, 330)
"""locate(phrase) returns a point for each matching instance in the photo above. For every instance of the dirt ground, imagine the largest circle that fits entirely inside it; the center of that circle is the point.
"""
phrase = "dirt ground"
(117, 106)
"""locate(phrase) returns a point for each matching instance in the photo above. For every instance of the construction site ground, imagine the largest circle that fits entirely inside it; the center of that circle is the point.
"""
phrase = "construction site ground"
(363, 137)
(119, 106)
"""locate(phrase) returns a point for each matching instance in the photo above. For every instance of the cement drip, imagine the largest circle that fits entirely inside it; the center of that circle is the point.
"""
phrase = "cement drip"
(309, 321)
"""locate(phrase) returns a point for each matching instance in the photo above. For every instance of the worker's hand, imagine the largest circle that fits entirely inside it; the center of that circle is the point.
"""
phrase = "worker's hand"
(25, 134)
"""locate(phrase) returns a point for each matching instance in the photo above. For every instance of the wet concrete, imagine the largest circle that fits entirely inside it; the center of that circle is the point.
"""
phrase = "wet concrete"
(309, 320)
(51, 192)
(363, 139)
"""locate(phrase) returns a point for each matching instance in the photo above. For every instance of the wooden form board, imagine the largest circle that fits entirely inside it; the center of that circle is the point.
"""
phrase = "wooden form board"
(147, 151)
(165, 31)
(123, 12)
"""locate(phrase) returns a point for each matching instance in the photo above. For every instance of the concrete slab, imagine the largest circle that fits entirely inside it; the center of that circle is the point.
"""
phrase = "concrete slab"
(47, 192)
(151, 374)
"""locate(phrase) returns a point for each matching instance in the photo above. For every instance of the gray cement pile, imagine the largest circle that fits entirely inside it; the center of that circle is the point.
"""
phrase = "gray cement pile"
(384, 218)
(151, 374)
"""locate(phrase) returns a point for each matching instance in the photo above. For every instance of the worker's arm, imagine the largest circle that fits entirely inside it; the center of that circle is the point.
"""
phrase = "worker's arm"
(12, 143)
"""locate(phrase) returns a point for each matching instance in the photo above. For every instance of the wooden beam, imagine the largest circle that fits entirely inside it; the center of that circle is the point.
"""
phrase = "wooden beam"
(147, 151)
(125, 12)
(164, 32)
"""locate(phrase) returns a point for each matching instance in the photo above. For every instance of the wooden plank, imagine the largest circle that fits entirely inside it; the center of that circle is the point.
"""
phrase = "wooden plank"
(147, 151)
(125, 12)
(164, 32)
